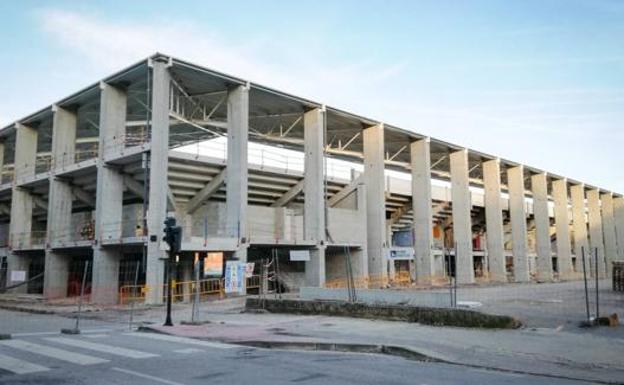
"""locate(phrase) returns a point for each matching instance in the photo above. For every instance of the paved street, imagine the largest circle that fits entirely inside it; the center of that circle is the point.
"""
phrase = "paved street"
(107, 353)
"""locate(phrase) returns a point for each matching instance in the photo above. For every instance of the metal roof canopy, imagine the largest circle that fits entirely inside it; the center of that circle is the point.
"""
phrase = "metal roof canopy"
(341, 125)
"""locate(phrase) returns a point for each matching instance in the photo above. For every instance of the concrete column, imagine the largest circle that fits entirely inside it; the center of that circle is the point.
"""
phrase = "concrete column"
(236, 178)
(421, 205)
(63, 137)
(608, 229)
(517, 211)
(109, 197)
(59, 204)
(562, 227)
(374, 180)
(618, 216)
(1, 160)
(579, 225)
(595, 232)
(462, 223)
(21, 202)
(494, 221)
(20, 225)
(539, 185)
(158, 181)
(314, 205)
(359, 259)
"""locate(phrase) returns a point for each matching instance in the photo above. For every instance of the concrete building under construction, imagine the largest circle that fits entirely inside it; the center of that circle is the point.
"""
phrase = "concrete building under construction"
(249, 171)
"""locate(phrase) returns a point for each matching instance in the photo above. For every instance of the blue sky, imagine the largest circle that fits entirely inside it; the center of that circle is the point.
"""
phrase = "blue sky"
(539, 82)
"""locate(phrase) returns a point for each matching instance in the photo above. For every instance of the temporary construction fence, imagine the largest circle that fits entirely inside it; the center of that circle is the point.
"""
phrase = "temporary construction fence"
(183, 291)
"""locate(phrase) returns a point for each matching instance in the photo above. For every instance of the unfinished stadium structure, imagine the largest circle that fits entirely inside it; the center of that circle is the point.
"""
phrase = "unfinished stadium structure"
(249, 172)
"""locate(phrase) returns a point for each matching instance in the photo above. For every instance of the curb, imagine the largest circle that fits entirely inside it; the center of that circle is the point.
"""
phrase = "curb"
(390, 350)
(27, 310)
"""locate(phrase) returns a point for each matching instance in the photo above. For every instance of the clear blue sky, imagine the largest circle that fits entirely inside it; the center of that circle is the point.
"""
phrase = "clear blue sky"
(540, 82)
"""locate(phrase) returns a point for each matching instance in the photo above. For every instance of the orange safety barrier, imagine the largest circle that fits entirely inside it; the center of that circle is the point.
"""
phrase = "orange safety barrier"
(207, 287)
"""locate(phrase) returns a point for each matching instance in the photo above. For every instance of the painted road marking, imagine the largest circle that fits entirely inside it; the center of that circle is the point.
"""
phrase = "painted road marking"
(34, 334)
(59, 354)
(101, 347)
(18, 366)
(182, 340)
(189, 351)
(146, 376)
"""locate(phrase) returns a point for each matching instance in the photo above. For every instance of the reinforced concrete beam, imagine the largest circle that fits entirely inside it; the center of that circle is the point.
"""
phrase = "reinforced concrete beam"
(38, 202)
(206, 192)
(494, 221)
(314, 210)
(579, 225)
(345, 191)
(133, 185)
(420, 158)
(595, 232)
(608, 229)
(237, 171)
(539, 185)
(83, 196)
(462, 225)
(374, 180)
(562, 228)
(289, 195)
(517, 211)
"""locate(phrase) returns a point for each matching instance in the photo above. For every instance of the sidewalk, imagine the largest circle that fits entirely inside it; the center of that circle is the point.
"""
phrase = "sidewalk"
(557, 352)
(565, 351)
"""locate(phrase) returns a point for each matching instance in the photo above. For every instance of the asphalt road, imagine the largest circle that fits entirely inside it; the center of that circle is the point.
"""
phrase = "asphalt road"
(107, 353)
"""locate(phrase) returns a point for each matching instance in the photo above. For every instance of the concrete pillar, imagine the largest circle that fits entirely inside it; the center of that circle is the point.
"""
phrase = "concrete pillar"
(494, 221)
(562, 227)
(579, 225)
(314, 205)
(158, 181)
(618, 216)
(539, 185)
(109, 197)
(374, 180)
(595, 232)
(517, 211)
(21, 202)
(359, 259)
(59, 204)
(421, 205)
(462, 223)
(236, 178)
(20, 225)
(1, 160)
(608, 229)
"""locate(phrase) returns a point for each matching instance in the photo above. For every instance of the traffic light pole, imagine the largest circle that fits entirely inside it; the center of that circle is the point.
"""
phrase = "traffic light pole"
(168, 321)
(173, 237)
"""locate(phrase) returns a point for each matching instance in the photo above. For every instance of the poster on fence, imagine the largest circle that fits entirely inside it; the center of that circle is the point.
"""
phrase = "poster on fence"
(235, 277)
(213, 264)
